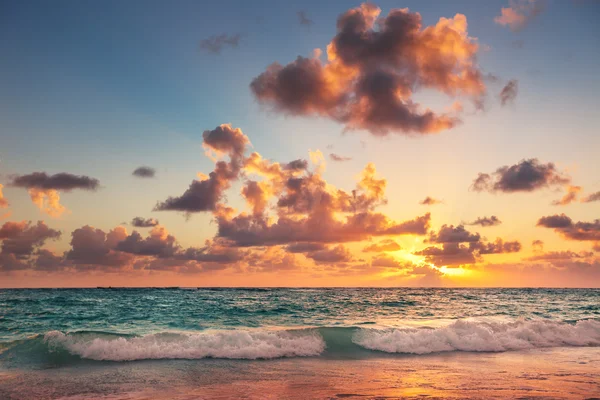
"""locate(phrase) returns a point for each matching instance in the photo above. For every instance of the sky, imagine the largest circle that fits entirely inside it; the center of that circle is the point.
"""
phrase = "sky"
(416, 143)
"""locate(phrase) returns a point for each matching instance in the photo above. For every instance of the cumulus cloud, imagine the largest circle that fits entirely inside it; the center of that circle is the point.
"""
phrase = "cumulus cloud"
(337, 157)
(569, 197)
(140, 222)
(591, 198)
(3, 201)
(565, 226)
(205, 194)
(384, 245)
(20, 241)
(509, 92)
(144, 172)
(526, 176)
(335, 254)
(216, 43)
(374, 66)
(519, 13)
(303, 18)
(455, 253)
(430, 201)
(452, 234)
(486, 221)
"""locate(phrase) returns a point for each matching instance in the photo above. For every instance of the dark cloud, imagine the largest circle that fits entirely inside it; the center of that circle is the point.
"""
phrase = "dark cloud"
(373, 67)
(91, 247)
(336, 157)
(296, 165)
(216, 43)
(144, 172)
(497, 247)
(140, 222)
(449, 254)
(455, 253)
(20, 241)
(205, 194)
(559, 255)
(486, 221)
(330, 255)
(384, 245)
(61, 181)
(591, 198)
(158, 243)
(430, 201)
(305, 247)
(508, 94)
(572, 230)
(319, 227)
(526, 176)
(537, 245)
(452, 234)
(303, 18)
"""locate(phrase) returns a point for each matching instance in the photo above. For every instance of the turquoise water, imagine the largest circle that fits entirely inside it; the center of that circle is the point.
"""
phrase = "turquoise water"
(54, 327)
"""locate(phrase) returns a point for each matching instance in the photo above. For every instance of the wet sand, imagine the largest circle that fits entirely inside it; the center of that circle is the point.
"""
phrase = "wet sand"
(558, 373)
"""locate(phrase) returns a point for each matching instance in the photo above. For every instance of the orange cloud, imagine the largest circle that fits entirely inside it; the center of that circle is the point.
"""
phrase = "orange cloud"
(3, 201)
(519, 14)
(374, 65)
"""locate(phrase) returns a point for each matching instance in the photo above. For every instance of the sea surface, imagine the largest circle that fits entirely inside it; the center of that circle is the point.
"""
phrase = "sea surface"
(178, 342)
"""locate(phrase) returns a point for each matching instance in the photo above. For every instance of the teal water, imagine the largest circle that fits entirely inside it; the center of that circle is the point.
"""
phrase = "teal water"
(54, 327)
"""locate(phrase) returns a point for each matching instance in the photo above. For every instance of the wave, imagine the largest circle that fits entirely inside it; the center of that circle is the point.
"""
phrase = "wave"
(348, 342)
(479, 336)
(237, 344)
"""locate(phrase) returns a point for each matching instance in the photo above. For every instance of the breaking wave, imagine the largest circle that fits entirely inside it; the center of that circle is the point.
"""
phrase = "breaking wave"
(247, 344)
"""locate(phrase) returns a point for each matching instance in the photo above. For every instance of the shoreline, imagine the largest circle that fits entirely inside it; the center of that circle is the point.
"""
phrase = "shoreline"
(563, 372)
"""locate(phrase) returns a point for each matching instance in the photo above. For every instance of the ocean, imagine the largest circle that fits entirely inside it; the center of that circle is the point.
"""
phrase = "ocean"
(299, 343)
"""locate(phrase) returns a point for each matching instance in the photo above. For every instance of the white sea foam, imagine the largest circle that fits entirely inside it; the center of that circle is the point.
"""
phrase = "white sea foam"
(480, 336)
(238, 344)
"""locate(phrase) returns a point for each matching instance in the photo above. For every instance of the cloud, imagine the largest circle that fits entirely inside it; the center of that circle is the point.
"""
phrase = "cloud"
(591, 198)
(384, 245)
(374, 65)
(305, 247)
(216, 43)
(430, 201)
(537, 245)
(144, 172)
(62, 181)
(336, 254)
(140, 222)
(509, 92)
(452, 234)
(43, 188)
(205, 194)
(20, 241)
(519, 14)
(565, 226)
(559, 255)
(336, 157)
(486, 221)
(303, 18)
(48, 201)
(570, 197)
(91, 247)
(3, 201)
(454, 253)
(526, 176)
(320, 226)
